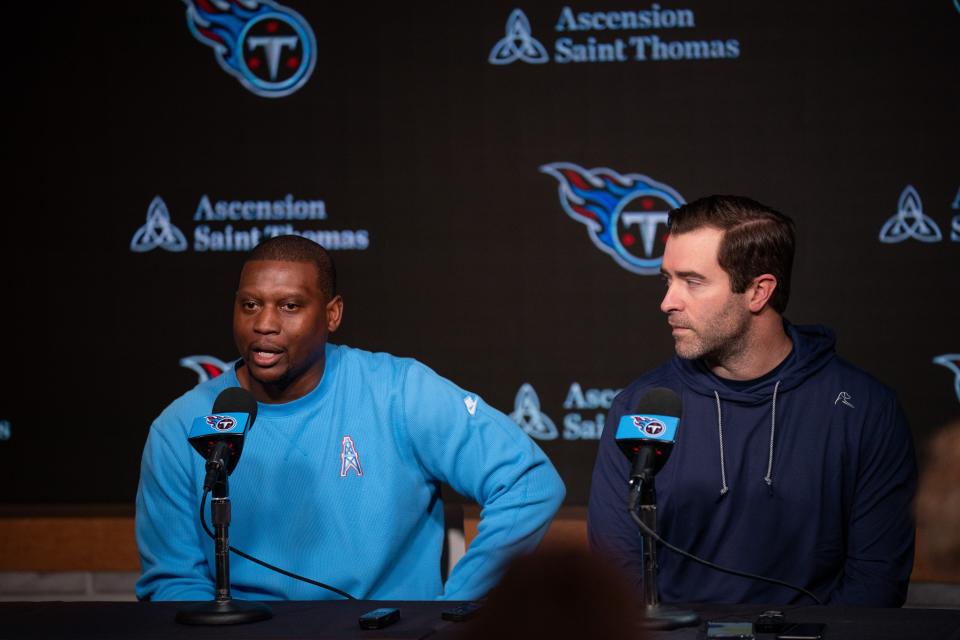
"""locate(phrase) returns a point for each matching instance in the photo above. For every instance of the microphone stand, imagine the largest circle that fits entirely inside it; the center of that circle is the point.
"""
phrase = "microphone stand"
(656, 615)
(223, 609)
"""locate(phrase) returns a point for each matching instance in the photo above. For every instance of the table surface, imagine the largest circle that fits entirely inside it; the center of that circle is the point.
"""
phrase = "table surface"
(338, 619)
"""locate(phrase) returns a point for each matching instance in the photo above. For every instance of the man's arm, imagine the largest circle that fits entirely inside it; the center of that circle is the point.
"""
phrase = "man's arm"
(482, 454)
(610, 529)
(172, 560)
(881, 528)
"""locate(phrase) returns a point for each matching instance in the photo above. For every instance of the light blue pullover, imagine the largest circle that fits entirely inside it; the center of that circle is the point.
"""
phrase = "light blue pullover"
(371, 523)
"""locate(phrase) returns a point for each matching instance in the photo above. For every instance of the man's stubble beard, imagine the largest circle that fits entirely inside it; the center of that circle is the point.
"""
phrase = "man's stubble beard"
(723, 338)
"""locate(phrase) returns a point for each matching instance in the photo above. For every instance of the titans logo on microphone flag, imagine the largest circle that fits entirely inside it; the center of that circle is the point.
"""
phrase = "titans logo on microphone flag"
(623, 213)
(225, 423)
(268, 47)
(647, 426)
(221, 423)
(349, 458)
(650, 426)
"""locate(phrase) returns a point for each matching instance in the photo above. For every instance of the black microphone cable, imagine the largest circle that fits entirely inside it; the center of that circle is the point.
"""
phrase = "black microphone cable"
(203, 520)
(632, 508)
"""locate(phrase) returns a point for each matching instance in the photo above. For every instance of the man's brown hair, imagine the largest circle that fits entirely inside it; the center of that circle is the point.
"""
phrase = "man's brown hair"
(756, 240)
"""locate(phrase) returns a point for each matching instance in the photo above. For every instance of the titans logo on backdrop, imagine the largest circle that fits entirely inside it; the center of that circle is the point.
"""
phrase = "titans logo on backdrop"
(952, 362)
(268, 47)
(206, 367)
(625, 215)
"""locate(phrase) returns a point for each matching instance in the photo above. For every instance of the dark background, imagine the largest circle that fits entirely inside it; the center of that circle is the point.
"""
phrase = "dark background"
(405, 130)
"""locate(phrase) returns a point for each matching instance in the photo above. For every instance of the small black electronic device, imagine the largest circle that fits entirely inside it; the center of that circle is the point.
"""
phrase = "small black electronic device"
(730, 630)
(803, 631)
(771, 622)
(379, 618)
(461, 612)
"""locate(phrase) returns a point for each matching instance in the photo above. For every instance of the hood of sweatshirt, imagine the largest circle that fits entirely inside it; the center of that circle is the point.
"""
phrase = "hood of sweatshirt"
(813, 349)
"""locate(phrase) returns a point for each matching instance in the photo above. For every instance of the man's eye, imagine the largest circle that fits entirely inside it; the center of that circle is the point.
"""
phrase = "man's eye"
(248, 305)
(290, 306)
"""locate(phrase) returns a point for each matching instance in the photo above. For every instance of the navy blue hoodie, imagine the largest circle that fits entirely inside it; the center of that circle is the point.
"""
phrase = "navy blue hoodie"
(818, 493)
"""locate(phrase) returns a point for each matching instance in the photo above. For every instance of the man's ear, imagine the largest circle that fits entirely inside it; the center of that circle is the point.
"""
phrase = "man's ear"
(760, 291)
(334, 313)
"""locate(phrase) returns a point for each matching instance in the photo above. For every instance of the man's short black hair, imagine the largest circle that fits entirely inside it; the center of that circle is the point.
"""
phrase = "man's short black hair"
(299, 249)
(756, 240)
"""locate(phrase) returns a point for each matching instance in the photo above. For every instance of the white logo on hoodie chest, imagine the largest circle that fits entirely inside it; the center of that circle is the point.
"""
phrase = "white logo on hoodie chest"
(845, 398)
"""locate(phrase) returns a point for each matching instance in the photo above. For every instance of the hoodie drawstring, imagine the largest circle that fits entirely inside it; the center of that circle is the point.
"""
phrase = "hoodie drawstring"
(773, 430)
(723, 466)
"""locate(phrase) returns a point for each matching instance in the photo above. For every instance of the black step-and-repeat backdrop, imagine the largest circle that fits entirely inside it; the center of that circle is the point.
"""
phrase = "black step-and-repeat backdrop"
(493, 178)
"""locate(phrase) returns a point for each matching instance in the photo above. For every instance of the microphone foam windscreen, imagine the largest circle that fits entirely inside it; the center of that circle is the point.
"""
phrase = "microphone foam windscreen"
(236, 400)
(660, 401)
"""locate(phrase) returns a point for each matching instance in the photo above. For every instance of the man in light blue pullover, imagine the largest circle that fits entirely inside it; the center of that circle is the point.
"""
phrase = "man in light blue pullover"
(340, 477)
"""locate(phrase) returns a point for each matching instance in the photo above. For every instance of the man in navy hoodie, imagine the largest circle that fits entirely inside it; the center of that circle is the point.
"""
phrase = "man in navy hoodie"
(790, 462)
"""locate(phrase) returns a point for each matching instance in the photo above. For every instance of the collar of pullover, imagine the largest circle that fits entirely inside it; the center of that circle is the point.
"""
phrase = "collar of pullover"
(286, 409)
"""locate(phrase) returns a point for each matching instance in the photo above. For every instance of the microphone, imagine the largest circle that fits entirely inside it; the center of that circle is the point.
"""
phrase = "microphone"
(647, 436)
(218, 437)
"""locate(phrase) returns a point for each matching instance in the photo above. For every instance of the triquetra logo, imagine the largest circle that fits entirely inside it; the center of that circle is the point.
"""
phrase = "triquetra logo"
(910, 221)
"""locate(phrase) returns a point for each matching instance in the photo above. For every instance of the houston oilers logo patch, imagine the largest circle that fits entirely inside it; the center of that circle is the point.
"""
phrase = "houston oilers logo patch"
(349, 458)
(268, 47)
(649, 426)
(221, 423)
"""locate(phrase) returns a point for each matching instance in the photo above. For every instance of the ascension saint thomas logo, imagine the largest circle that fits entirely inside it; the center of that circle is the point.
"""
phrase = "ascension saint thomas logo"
(910, 221)
(517, 43)
(158, 231)
(528, 415)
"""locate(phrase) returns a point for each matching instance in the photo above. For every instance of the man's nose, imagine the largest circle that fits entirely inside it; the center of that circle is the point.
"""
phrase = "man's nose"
(670, 302)
(267, 321)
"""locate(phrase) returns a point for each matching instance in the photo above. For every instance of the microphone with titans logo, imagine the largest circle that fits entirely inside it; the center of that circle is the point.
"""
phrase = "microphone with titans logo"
(646, 437)
(219, 437)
